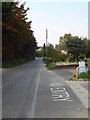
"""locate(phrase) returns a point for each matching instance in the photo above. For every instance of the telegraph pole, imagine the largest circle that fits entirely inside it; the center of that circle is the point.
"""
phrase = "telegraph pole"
(46, 36)
(88, 33)
(46, 41)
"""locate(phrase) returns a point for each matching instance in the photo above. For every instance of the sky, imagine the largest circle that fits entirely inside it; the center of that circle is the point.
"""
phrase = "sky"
(59, 18)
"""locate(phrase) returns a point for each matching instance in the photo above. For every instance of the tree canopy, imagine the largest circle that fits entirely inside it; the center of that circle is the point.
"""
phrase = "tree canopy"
(76, 46)
(18, 40)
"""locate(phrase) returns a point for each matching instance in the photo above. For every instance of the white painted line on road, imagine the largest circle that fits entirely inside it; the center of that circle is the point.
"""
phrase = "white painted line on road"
(59, 93)
(51, 88)
(78, 108)
(56, 91)
(56, 84)
(67, 94)
(61, 100)
(57, 88)
(35, 96)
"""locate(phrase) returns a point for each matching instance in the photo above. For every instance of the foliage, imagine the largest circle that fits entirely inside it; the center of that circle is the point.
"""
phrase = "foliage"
(81, 56)
(85, 75)
(53, 55)
(15, 62)
(49, 60)
(6, 11)
(71, 59)
(39, 53)
(62, 43)
(50, 51)
(88, 51)
(18, 40)
(60, 57)
(51, 66)
(76, 47)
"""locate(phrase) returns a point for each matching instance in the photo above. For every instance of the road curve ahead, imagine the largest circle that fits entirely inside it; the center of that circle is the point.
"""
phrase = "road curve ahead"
(32, 91)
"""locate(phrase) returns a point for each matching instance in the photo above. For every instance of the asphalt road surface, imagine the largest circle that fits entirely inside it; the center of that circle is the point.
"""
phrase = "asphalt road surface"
(32, 91)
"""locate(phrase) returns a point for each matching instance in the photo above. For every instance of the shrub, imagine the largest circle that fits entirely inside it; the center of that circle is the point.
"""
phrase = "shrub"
(60, 57)
(71, 59)
(48, 60)
(85, 75)
(51, 66)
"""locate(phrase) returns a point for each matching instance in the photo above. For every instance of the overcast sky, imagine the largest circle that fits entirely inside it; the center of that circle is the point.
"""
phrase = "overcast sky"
(59, 18)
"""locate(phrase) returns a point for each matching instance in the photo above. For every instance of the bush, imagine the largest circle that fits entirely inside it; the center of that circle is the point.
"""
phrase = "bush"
(71, 59)
(16, 62)
(44, 59)
(60, 57)
(85, 75)
(48, 60)
(51, 66)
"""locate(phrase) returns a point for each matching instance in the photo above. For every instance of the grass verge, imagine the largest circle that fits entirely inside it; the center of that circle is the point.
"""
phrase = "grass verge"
(15, 62)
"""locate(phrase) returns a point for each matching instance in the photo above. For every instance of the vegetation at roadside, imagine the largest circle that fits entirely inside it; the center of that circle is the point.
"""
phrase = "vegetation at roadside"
(51, 66)
(16, 62)
(18, 41)
(84, 75)
(76, 47)
(39, 53)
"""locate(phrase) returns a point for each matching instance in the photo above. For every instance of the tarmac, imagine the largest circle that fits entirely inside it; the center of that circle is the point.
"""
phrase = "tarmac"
(82, 90)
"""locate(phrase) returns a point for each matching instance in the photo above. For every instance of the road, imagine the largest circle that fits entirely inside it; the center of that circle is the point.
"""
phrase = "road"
(32, 91)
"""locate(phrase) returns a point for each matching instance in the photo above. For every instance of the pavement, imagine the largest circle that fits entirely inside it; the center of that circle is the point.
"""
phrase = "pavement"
(32, 91)
(78, 85)
(80, 91)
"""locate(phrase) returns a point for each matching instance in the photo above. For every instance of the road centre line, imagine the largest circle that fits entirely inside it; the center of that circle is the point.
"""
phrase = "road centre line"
(35, 96)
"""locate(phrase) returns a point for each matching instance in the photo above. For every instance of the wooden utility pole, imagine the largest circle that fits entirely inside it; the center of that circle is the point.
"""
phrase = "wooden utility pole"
(89, 33)
(46, 41)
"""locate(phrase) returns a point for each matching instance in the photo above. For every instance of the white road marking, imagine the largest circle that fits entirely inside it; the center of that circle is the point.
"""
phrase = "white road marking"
(51, 88)
(61, 100)
(59, 93)
(78, 108)
(35, 96)
(56, 84)
(67, 94)
(57, 88)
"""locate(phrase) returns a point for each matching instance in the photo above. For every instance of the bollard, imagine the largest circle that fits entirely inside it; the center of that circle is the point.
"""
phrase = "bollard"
(74, 75)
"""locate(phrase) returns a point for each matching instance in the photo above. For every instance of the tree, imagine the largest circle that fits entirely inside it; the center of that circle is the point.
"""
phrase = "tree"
(76, 47)
(18, 38)
(62, 43)
(6, 11)
(50, 51)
